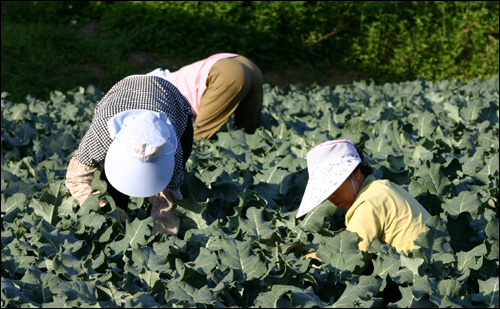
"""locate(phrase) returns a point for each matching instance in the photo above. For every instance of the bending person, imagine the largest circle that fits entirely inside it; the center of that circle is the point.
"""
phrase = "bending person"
(140, 138)
(373, 208)
(217, 87)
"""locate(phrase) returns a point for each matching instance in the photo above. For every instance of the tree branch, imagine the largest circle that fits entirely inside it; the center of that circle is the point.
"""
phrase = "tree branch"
(337, 30)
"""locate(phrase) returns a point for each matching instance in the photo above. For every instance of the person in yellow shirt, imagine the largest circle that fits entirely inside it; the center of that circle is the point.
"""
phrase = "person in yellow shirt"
(373, 208)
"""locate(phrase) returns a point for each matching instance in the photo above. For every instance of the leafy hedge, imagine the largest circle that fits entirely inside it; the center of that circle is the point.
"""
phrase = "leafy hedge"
(241, 245)
(391, 41)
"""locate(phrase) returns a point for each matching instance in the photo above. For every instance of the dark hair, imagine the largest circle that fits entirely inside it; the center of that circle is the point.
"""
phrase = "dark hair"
(365, 168)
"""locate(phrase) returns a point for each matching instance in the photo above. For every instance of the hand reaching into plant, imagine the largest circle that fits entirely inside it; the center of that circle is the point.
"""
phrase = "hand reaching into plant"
(163, 212)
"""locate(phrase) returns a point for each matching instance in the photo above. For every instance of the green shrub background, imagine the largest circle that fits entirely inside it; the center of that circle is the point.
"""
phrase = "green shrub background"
(44, 46)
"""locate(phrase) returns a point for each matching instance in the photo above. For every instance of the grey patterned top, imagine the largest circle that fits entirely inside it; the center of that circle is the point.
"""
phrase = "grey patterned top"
(135, 92)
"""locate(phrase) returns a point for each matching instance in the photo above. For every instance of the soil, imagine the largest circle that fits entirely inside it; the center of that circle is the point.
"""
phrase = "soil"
(90, 28)
(335, 76)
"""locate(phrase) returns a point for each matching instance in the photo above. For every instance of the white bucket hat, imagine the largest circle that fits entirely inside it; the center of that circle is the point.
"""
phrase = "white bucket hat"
(329, 164)
(140, 161)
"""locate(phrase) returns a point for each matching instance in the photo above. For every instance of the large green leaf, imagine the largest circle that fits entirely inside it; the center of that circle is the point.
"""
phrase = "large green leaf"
(341, 254)
(13, 296)
(193, 214)
(434, 244)
(152, 280)
(182, 293)
(90, 223)
(18, 112)
(488, 292)
(362, 292)
(465, 201)
(208, 177)
(205, 262)
(196, 187)
(472, 111)
(413, 264)
(424, 123)
(45, 210)
(470, 260)
(55, 241)
(67, 266)
(452, 111)
(446, 292)
(54, 195)
(492, 233)
(408, 300)
(276, 176)
(146, 257)
(36, 285)
(25, 133)
(136, 232)
(314, 219)
(380, 147)
(432, 178)
(22, 168)
(240, 257)
(83, 292)
(384, 266)
(290, 272)
(289, 296)
(255, 226)
(12, 205)
(186, 273)
(490, 169)
(115, 296)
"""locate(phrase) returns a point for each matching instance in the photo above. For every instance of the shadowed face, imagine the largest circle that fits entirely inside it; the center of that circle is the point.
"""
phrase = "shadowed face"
(345, 195)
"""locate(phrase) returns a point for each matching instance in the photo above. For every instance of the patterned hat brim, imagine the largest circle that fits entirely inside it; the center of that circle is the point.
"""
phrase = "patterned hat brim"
(324, 179)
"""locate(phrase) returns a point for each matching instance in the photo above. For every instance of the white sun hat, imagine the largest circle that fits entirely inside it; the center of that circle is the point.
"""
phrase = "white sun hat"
(140, 161)
(329, 164)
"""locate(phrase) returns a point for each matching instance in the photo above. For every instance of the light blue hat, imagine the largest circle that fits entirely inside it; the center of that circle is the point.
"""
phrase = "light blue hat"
(329, 164)
(140, 161)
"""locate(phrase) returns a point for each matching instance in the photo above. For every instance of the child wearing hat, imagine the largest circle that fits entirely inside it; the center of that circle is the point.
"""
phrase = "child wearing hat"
(217, 87)
(373, 208)
(140, 138)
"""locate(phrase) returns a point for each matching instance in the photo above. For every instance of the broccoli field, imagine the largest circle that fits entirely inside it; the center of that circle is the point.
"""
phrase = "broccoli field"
(240, 244)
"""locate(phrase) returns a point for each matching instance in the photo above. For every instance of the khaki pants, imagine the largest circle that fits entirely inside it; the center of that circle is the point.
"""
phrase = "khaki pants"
(234, 85)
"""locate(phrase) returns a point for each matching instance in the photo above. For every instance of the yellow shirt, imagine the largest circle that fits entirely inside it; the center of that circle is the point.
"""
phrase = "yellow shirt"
(386, 211)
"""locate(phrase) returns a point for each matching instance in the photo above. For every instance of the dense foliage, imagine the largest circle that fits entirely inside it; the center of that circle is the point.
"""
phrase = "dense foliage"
(391, 41)
(240, 243)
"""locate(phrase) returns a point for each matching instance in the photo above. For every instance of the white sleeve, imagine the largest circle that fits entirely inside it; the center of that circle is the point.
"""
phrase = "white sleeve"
(159, 72)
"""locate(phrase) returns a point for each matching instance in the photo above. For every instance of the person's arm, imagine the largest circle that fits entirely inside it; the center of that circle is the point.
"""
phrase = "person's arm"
(163, 210)
(79, 183)
(79, 180)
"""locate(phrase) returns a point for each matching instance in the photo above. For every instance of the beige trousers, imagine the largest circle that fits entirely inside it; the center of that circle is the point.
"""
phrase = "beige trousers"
(234, 85)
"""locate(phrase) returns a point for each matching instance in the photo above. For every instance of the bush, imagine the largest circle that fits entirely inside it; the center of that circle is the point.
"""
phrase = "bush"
(389, 41)
(434, 39)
